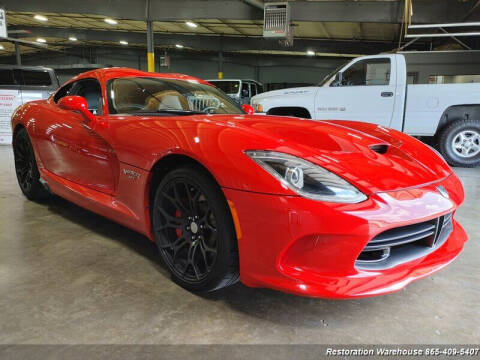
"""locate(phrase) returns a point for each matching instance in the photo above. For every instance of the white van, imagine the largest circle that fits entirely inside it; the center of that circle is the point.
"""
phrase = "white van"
(240, 90)
(19, 84)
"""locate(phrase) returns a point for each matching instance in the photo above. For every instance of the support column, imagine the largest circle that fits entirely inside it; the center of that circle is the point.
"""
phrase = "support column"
(220, 65)
(18, 55)
(220, 59)
(150, 43)
(150, 47)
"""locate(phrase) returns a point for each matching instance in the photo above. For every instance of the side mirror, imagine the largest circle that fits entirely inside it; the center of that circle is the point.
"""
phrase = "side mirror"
(245, 93)
(76, 103)
(338, 79)
(248, 109)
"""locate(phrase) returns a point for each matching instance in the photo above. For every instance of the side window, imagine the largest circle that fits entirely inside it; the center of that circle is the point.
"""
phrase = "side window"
(253, 88)
(90, 89)
(64, 91)
(6, 77)
(367, 73)
(245, 90)
(412, 77)
(36, 78)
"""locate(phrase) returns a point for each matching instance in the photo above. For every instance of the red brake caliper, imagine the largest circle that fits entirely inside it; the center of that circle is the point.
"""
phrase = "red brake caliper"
(178, 214)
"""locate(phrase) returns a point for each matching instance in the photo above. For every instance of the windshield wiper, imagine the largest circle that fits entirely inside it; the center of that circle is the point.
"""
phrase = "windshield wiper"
(178, 111)
(170, 111)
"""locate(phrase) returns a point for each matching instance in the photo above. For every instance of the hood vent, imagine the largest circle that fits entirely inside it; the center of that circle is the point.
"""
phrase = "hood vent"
(379, 148)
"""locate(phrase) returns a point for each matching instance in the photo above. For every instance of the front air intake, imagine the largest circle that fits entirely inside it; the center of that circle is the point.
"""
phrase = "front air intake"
(405, 243)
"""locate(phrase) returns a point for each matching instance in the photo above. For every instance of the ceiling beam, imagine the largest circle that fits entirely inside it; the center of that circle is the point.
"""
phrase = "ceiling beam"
(257, 3)
(263, 60)
(165, 10)
(425, 11)
(212, 42)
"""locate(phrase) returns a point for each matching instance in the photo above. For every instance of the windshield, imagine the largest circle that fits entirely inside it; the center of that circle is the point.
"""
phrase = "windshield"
(228, 87)
(331, 74)
(156, 95)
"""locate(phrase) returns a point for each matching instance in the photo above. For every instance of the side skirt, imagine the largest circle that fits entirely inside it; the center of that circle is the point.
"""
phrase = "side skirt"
(113, 208)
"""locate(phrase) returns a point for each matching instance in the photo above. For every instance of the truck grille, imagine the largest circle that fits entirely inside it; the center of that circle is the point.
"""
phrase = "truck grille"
(199, 103)
(405, 243)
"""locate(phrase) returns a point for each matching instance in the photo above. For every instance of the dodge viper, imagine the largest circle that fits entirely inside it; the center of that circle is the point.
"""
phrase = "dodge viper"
(334, 209)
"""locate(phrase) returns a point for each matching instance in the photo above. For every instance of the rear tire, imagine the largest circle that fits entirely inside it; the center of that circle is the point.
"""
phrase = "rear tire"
(194, 230)
(459, 143)
(26, 167)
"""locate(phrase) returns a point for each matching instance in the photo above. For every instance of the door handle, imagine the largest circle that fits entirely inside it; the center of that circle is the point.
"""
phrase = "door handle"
(387, 94)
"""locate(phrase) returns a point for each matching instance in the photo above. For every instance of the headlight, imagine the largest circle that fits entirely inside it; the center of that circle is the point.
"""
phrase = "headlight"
(307, 179)
(258, 107)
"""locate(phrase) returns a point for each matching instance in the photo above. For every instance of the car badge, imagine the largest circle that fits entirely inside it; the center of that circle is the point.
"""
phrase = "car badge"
(443, 191)
(132, 175)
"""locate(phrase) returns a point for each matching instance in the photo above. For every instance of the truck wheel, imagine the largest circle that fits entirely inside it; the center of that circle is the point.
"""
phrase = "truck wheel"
(460, 143)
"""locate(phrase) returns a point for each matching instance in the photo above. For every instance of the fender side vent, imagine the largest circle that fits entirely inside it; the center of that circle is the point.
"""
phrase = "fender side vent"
(379, 148)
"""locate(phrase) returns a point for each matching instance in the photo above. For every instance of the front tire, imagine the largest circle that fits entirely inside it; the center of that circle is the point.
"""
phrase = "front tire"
(194, 230)
(26, 167)
(460, 143)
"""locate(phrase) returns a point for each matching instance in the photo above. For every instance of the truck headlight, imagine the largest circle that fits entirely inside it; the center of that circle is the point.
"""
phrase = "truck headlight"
(257, 107)
(307, 179)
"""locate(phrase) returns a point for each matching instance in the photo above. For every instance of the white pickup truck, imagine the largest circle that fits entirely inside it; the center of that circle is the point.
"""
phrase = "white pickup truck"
(376, 89)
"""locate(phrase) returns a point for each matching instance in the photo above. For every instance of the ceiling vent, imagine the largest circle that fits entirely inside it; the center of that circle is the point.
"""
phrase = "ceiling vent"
(276, 23)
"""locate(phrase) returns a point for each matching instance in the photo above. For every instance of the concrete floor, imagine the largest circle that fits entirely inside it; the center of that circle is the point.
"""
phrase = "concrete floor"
(68, 276)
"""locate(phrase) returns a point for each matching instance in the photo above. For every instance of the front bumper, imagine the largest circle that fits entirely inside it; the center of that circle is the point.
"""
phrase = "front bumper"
(309, 248)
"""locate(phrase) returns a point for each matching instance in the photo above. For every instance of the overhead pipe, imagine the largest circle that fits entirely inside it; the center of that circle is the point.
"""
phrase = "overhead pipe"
(256, 3)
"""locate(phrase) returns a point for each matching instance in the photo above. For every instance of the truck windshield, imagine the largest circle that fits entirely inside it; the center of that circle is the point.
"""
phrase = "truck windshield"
(227, 86)
(136, 95)
(331, 74)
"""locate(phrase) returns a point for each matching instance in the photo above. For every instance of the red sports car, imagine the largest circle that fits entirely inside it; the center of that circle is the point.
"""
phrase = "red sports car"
(327, 209)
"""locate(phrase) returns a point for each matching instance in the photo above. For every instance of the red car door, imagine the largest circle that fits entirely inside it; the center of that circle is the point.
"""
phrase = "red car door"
(72, 148)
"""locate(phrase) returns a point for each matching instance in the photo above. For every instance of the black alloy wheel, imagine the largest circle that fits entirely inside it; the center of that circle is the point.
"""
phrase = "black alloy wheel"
(26, 167)
(194, 230)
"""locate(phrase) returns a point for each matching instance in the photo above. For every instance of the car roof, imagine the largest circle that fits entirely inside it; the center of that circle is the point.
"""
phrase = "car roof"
(106, 74)
(22, 67)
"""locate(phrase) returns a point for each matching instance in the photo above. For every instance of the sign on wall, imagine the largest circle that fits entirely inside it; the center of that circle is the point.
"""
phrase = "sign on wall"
(3, 24)
(9, 100)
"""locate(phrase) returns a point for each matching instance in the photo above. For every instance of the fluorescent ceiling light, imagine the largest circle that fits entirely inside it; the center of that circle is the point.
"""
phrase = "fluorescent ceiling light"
(310, 52)
(191, 24)
(41, 40)
(179, 46)
(40, 17)
(110, 21)
(123, 42)
(72, 38)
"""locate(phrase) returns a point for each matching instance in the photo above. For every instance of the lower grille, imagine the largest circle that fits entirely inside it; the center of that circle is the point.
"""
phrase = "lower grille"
(405, 243)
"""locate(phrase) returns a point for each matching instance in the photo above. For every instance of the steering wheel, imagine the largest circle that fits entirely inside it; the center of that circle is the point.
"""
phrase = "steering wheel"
(210, 109)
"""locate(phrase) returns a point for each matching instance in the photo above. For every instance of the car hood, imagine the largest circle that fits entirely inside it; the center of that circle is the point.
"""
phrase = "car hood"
(373, 158)
(285, 92)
